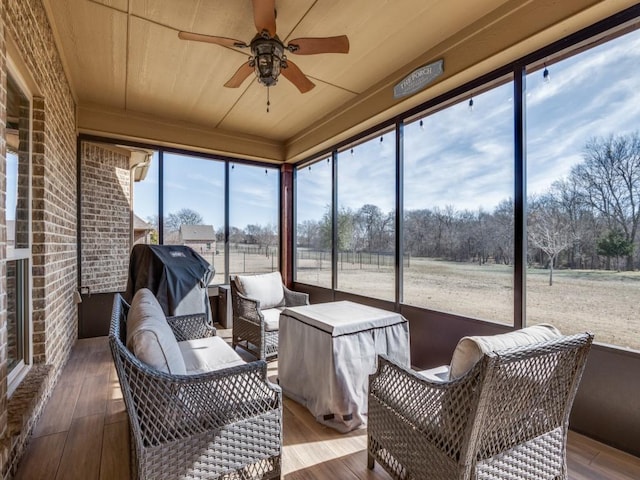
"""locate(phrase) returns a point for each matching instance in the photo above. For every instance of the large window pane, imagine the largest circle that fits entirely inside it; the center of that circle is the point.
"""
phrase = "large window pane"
(254, 195)
(18, 230)
(194, 207)
(18, 136)
(145, 199)
(458, 208)
(583, 183)
(313, 224)
(17, 312)
(366, 218)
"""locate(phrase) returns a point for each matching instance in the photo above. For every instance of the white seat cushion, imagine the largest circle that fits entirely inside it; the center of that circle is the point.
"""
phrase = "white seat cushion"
(271, 319)
(437, 374)
(267, 288)
(208, 354)
(150, 337)
(471, 349)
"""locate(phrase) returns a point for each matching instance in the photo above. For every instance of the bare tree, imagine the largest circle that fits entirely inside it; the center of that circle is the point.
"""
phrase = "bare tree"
(374, 228)
(184, 216)
(417, 226)
(503, 229)
(267, 237)
(609, 179)
(548, 229)
(308, 233)
(236, 235)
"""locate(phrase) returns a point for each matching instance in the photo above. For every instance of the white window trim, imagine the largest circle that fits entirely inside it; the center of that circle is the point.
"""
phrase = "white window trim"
(18, 373)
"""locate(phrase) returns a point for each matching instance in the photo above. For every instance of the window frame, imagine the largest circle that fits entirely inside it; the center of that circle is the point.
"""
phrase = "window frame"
(23, 256)
(570, 45)
(330, 159)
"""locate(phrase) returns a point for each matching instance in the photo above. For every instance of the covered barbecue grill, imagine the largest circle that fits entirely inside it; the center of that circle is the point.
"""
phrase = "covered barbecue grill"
(176, 274)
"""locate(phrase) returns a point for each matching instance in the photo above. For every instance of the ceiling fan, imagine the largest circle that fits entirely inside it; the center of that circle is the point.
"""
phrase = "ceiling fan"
(268, 58)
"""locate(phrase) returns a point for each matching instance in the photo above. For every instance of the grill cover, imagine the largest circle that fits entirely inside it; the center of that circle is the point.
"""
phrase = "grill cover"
(176, 275)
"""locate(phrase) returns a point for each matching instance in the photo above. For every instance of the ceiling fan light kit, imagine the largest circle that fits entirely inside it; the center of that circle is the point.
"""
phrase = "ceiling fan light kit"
(268, 58)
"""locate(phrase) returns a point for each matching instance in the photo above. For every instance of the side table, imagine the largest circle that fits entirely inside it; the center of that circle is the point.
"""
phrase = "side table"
(225, 307)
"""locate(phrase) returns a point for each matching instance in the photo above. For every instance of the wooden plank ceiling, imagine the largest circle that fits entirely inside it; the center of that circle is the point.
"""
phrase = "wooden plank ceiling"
(125, 56)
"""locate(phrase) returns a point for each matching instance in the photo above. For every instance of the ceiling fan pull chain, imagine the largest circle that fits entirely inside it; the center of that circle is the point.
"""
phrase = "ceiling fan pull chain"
(268, 102)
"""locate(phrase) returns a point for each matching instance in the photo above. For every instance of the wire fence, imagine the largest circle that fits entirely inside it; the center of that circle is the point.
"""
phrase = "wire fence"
(245, 259)
(348, 260)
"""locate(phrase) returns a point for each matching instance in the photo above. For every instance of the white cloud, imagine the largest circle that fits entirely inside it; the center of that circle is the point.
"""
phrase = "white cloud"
(594, 94)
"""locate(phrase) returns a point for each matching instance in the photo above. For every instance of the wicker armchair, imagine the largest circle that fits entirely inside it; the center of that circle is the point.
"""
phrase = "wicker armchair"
(256, 311)
(506, 418)
(224, 424)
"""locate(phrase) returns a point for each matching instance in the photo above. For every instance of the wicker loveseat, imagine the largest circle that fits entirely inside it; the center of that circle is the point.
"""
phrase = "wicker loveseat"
(504, 418)
(219, 419)
(257, 302)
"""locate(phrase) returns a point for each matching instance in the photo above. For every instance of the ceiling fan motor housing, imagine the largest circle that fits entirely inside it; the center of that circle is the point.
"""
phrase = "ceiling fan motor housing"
(268, 58)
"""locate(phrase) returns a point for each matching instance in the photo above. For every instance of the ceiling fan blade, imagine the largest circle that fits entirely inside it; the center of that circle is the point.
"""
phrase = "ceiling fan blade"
(240, 76)
(264, 16)
(295, 76)
(225, 42)
(311, 46)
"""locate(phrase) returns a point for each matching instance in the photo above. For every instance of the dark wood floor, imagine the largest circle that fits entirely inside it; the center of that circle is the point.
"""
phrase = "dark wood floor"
(83, 435)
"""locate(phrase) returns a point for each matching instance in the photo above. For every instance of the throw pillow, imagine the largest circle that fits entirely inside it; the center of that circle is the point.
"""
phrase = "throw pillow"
(150, 337)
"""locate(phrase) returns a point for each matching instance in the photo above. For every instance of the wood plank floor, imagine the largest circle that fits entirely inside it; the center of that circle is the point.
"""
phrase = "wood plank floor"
(83, 434)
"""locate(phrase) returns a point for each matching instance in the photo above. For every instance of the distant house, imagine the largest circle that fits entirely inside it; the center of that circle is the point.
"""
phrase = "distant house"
(141, 230)
(201, 238)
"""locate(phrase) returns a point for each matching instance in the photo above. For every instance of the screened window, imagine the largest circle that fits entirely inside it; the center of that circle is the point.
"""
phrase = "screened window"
(194, 206)
(145, 198)
(458, 208)
(366, 218)
(254, 227)
(314, 216)
(583, 184)
(18, 218)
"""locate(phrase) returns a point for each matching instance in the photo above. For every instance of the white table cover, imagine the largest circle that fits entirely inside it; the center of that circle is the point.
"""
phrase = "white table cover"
(327, 351)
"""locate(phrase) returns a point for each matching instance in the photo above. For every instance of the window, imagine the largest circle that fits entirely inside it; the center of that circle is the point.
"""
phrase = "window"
(583, 187)
(366, 218)
(145, 198)
(194, 196)
(314, 223)
(254, 212)
(458, 208)
(18, 216)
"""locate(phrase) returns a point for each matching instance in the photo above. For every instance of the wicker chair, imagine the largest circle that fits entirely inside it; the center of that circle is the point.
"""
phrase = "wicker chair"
(506, 418)
(255, 315)
(225, 424)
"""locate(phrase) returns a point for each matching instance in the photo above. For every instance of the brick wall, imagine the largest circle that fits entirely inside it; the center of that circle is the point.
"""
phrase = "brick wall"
(106, 218)
(54, 251)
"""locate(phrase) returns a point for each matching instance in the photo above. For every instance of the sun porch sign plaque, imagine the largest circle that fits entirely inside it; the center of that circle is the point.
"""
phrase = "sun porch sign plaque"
(418, 79)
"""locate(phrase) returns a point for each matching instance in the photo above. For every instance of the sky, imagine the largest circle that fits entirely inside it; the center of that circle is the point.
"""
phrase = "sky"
(464, 158)
(198, 184)
(459, 157)
(12, 185)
